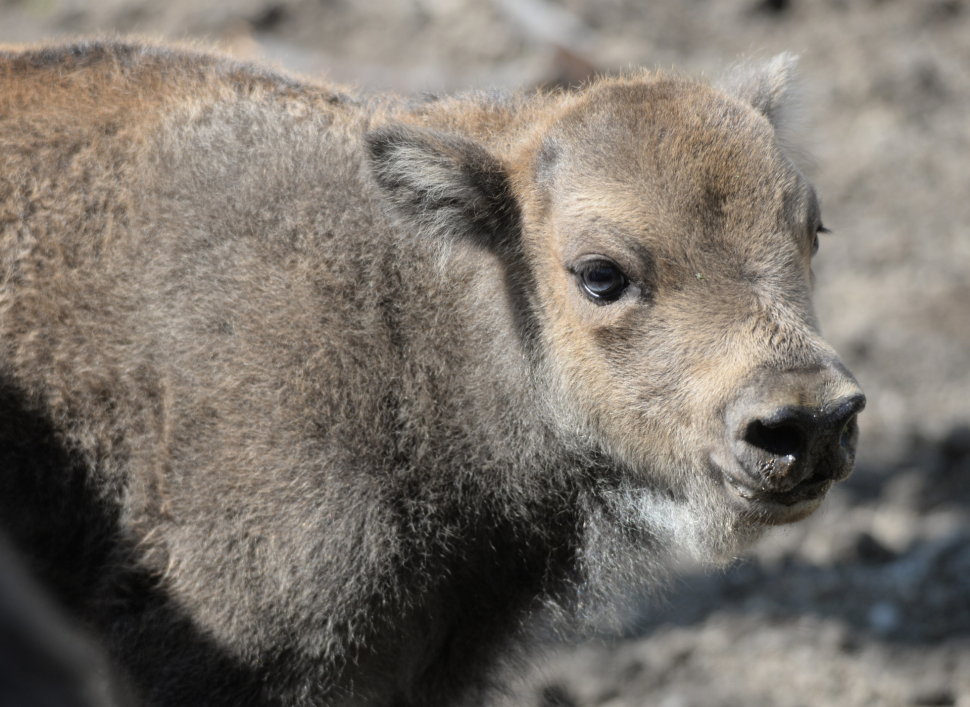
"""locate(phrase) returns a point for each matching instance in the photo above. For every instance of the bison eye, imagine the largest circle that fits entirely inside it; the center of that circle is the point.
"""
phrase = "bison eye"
(820, 229)
(602, 281)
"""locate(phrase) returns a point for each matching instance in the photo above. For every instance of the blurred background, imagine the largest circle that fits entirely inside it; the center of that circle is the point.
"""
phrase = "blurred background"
(868, 602)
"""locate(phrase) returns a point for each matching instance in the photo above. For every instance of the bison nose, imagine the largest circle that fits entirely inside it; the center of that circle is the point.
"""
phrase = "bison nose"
(795, 452)
(792, 430)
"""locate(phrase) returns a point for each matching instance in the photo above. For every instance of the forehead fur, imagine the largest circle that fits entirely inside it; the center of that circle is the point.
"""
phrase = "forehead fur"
(672, 156)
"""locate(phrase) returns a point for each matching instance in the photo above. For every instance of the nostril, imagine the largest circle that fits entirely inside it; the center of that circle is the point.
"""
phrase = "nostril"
(849, 431)
(779, 440)
(844, 416)
(846, 409)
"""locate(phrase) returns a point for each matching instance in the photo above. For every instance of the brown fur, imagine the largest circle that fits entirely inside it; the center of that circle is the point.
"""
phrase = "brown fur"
(302, 402)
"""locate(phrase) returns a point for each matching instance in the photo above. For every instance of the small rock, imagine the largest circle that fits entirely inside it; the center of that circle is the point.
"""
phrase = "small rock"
(871, 551)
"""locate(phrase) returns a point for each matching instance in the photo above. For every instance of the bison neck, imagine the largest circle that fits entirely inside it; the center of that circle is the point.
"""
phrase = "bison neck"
(359, 493)
(468, 493)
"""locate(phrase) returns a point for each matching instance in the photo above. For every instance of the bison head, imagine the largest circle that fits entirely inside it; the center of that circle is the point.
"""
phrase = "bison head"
(658, 246)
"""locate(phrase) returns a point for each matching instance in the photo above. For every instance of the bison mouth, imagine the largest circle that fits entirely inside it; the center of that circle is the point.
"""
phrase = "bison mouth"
(775, 507)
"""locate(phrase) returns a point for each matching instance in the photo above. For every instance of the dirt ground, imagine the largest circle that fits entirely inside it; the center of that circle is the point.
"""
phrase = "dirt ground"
(868, 602)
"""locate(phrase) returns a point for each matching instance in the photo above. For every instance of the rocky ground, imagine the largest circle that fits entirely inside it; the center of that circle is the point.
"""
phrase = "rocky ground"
(868, 602)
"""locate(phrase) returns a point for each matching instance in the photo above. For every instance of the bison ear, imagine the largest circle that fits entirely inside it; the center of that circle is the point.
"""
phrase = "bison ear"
(765, 85)
(446, 184)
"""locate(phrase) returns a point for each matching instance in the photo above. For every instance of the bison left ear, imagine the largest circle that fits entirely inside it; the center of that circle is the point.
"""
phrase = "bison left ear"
(446, 184)
(767, 86)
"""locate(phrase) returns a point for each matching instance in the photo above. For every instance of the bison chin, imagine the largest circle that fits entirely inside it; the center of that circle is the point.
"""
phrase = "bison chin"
(636, 537)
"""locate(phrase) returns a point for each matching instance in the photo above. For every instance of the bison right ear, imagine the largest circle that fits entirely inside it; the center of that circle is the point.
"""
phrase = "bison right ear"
(446, 184)
(767, 86)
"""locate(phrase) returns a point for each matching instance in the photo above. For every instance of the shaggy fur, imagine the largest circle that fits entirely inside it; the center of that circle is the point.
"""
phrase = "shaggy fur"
(301, 400)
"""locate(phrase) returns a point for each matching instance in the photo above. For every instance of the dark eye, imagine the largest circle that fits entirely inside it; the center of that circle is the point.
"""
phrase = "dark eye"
(602, 281)
(820, 229)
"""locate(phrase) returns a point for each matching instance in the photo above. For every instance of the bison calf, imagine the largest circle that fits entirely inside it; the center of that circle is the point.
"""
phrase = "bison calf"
(309, 397)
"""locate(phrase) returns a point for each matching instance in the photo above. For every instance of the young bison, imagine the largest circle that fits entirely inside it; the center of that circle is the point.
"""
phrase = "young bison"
(314, 398)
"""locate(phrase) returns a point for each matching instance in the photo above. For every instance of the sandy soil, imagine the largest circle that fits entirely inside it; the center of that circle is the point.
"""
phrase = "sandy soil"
(868, 602)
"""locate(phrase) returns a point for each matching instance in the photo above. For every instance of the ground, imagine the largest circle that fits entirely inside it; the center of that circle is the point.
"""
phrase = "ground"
(868, 602)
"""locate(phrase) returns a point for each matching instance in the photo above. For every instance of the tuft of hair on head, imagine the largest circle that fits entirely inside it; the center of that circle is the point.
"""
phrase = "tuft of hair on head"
(766, 85)
(772, 88)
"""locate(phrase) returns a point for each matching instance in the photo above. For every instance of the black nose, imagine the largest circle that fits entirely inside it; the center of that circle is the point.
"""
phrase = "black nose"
(794, 451)
(793, 429)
